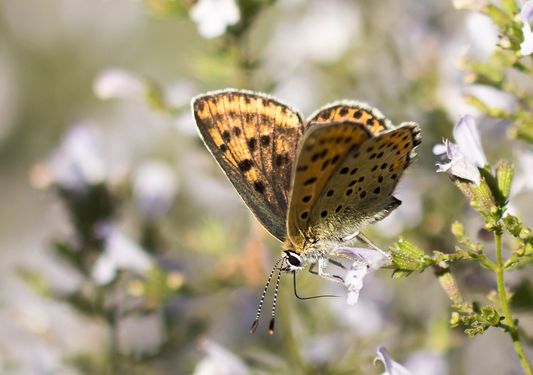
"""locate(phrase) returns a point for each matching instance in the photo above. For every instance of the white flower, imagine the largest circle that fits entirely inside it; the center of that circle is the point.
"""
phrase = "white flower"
(219, 361)
(78, 161)
(214, 16)
(526, 15)
(391, 367)
(118, 84)
(467, 155)
(368, 260)
(154, 188)
(120, 253)
(354, 281)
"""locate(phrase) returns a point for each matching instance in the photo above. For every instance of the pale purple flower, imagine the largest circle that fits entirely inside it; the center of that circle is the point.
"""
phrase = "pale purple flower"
(526, 15)
(466, 155)
(214, 16)
(482, 35)
(368, 260)
(219, 361)
(118, 83)
(78, 162)
(391, 367)
(120, 253)
(154, 187)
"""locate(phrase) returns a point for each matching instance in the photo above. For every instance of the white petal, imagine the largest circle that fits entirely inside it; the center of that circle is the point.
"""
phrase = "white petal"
(467, 138)
(353, 297)
(459, 165)
(78, 162)
(443, 167)
(526, 13)
(391, 367)
(118, 83)
(214, 16)
(463, 168)
(121, 253)
(219, 361)
(439, 149)
(526, 47)
(353, 280)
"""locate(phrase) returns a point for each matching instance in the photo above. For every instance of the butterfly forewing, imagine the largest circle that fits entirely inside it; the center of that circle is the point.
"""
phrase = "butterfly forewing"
(323, 149)
(352, 111)
(254, 139)
(360, 190)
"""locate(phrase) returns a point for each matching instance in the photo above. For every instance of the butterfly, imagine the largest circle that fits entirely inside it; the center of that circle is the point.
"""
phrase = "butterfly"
(312, 184)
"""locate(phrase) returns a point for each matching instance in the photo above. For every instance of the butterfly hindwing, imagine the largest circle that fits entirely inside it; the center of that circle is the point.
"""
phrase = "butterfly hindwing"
(323, 149)
(360, 190)
(254, 139)
(353, 111)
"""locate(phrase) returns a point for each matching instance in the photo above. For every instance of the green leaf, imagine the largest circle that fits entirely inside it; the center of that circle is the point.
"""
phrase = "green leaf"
(501, 18)
(492, 184)
(504, 176)
(512, 224)
(71, 255)
(490, 314)
(480, 197)
(35, 280)
(398, 274)
(523, 131)
(510, 6)
(458, 231)
(408, 257)
(521, 257)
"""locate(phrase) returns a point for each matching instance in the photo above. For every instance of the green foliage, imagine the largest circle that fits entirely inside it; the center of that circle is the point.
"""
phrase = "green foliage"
(496, 70)
(477, 320)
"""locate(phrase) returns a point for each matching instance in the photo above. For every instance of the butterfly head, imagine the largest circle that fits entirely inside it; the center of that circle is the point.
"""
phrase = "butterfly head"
(292, 261)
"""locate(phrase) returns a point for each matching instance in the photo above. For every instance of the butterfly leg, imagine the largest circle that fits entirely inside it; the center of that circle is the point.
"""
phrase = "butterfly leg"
(332, 261)
(338, 264)
(322, 264)
(364, 239)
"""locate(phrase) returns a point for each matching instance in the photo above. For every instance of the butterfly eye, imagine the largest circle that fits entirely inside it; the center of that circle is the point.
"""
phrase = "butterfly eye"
(294, 260)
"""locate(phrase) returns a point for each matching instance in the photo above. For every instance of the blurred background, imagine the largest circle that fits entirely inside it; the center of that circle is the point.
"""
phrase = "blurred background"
(124, 249)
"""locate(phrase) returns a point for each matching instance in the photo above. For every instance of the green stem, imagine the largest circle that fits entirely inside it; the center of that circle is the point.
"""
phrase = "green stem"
(509, 322)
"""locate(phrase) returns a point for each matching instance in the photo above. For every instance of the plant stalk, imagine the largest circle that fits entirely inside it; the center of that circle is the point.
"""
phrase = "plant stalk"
(509, 322)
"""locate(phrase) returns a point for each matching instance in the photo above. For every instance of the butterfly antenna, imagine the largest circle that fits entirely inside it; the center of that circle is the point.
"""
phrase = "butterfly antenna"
(312, 297)
(259, 309)
(274, 301)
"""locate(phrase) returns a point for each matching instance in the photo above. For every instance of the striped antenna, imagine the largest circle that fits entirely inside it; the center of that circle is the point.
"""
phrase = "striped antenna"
(274, 301)
(259, 309)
